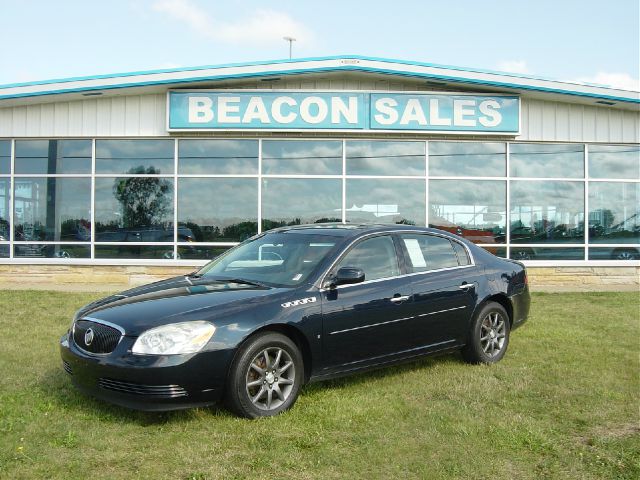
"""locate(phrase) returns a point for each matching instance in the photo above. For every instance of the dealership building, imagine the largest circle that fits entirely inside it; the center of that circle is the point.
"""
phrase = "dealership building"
(120, 179)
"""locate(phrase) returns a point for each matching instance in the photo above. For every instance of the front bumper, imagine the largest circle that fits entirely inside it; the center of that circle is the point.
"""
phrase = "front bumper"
(148, 382)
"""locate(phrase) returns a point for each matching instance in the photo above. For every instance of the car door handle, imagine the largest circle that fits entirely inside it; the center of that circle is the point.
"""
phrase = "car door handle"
(399, 298)
(466, 286)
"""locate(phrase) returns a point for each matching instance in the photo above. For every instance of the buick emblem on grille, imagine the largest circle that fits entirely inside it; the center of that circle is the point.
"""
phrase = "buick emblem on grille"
(88, 337)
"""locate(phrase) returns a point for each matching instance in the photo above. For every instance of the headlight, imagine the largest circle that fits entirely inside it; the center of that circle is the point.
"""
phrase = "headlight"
(174, 339)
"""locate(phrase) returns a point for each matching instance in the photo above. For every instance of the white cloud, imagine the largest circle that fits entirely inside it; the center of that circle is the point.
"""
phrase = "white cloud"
(623, 81)
(513, 66)
(260, 28)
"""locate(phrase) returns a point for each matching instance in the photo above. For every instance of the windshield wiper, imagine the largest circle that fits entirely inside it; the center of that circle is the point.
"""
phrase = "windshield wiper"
(242, 281)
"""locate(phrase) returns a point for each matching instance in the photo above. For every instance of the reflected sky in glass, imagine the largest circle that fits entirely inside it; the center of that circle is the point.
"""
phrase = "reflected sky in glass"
(385, 158)
(614, 161)
(546, 160)
(298, 201)
(547, 211)
(216, 208)
(467, 159)
(386, 201)
(135, 156)
(211, 157)
(41, 157)
(52, 209)
(614, 212)
(301, 157)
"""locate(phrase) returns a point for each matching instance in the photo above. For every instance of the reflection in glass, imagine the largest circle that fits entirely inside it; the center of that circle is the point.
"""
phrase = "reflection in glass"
(40, 157)
(218, 157)
(5, 187)
(301, 157)
(546, 160)
(162, 252)
(39, 250)
(219, 209)
(536, 253)
(150, 157)
(474, 209)
(200, 252)
(614, 253)
(5, 157)
(296, 201)
(386, 201)
(467, 159)
(52, 209)
(134, 209)
(385, 158)
(547, 212)
(614, 161)
(497, 251)
(614, 212)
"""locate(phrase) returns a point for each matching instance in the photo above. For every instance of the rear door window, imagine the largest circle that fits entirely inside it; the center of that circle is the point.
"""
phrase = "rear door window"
(430, 252)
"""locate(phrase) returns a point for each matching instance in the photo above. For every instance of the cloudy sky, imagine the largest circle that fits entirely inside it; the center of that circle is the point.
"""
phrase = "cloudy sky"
(585, 40)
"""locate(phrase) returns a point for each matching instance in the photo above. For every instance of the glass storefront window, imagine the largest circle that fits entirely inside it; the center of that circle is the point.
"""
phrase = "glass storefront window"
(218, 157)
(218, 209)
(614, 161)
(541, 253)
(52, 209)
(615, 253)
(473, 159)
(5, 157)
(547, 212)
(296, 201)
(474, 209)
(43, 250)
(134, 209)
(538, 160)
(135, 252)
(199, 252)
(614, 212)
(142, 157)
(385, 158)
(5, 187)
(386, 201)
(301, 157)
(42, 157)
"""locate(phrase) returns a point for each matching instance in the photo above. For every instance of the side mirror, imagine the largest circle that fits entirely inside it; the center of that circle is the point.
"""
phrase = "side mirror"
(348, 276)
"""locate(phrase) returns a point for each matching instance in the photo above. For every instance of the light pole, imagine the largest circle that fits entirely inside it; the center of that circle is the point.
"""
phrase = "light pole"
(290, 40)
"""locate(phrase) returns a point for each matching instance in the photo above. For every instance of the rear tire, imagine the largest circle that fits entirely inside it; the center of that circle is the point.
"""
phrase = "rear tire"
(489, 335)
(265, 377)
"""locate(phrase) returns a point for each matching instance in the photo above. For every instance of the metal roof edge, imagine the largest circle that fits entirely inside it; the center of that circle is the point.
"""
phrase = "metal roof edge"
(634, 97)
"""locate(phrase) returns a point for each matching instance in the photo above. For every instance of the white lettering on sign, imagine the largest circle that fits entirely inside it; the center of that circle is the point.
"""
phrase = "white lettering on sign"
(348, 112)
(321, 110)
(256, 111)
(225, 109)
(434, 113)
(388, 114)
(200, 109)
(460, 112)
(492, 118)
(276, 110)
(413, 113)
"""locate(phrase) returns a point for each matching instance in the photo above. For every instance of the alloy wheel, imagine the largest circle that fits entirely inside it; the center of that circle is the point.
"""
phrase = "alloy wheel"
(270, 378)
(492, 334)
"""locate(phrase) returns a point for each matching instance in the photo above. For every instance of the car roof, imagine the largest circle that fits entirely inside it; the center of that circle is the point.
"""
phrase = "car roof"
(355, 229)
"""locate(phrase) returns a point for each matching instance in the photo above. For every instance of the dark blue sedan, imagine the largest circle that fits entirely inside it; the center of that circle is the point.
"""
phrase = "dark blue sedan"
(291, 306)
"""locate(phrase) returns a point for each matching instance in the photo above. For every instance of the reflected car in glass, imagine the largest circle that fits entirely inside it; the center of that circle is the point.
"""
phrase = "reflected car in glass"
(291, 306)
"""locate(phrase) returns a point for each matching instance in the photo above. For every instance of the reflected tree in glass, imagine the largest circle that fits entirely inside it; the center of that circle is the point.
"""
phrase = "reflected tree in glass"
(145, 201)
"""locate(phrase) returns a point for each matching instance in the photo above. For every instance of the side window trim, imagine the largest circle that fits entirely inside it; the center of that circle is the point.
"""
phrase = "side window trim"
(407, 261)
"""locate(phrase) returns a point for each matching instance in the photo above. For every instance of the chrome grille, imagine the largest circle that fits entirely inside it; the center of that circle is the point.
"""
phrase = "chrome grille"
(158, 391)
(105, 338)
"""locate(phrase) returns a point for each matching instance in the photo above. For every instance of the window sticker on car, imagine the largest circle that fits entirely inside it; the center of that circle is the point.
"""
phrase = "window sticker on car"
(297, 277)
(415, 252)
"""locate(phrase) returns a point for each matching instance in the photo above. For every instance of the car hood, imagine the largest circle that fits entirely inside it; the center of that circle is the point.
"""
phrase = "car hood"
(177, 299)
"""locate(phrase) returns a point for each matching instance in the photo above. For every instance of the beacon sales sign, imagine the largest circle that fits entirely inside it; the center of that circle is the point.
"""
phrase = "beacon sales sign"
(441, 112)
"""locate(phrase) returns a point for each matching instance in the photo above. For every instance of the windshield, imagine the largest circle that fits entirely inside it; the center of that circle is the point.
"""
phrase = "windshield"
(282, 259)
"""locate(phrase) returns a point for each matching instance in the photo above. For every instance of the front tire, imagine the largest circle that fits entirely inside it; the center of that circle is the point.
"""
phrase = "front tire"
(489, 335)
(265, 377)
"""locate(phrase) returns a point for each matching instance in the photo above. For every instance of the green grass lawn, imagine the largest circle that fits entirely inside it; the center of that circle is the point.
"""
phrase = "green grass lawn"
(562, 404)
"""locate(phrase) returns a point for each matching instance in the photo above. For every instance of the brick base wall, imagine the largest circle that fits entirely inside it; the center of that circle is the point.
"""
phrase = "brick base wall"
(100, 278)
